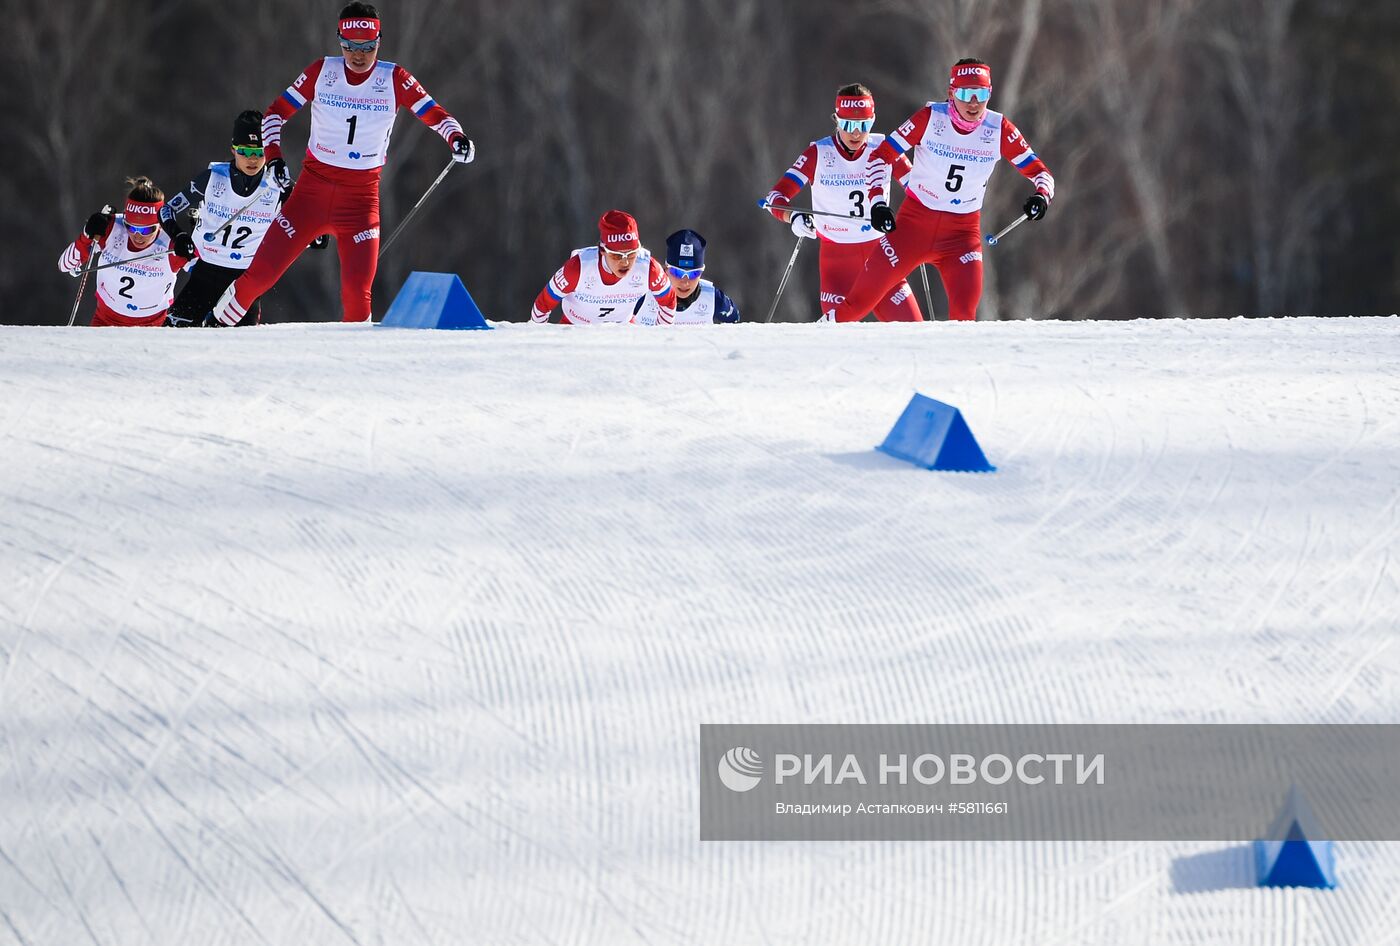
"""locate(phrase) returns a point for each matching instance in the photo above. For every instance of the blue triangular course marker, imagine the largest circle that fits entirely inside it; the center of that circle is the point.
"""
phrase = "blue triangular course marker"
(434, 300)
(934, 435)
(1294, 853)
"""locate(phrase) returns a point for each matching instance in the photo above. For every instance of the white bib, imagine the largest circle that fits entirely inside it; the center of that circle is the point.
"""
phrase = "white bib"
(351, 124)
(841, 186)
(951, 170)
(702, 310)
(593, 302)
(140, 288)
(233, 247)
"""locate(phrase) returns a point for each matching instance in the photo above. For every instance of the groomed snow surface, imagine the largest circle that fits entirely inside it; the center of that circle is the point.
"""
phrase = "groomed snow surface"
(338, 634)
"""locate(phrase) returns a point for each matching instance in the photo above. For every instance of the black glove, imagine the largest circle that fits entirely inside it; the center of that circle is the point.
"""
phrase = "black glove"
(280, 175)
(183, 245)
(882, 217)
(98, 223)
(1036, 205)
(463, 151)
(321, 242)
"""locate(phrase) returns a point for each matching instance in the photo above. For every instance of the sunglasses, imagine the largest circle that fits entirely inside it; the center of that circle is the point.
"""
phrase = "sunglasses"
(680, 273)
(628, 254)
(247, 152)
(142, 231)
(972, 94)
(350, 45)
(853, 125)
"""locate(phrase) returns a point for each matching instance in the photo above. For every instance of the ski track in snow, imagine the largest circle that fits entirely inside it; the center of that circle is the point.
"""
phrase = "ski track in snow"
(330, 634)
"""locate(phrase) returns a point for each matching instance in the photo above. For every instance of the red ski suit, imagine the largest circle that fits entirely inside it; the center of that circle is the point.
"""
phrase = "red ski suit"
(76, 256)
(842, 263)
(951, 241)
(328, 198)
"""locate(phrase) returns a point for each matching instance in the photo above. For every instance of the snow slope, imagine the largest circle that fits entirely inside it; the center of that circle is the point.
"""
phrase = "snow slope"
(331, 634)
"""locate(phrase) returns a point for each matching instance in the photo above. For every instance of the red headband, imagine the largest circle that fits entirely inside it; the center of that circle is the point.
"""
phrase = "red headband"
(970, 77)
(143, 213)
(855, 107)
(360, 30)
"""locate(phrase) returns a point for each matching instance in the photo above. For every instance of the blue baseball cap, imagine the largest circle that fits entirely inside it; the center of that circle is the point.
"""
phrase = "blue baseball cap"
(686, 249)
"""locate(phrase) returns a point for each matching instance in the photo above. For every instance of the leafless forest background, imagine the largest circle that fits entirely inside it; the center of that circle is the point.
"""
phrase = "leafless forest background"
(1212, 157)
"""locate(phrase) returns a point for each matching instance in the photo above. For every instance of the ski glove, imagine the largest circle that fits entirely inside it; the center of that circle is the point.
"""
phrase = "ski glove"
(98, 223)
(1036, 205)
(803, 226)
(463, 151)
(882, 217)
(280, 175)
(183, 244)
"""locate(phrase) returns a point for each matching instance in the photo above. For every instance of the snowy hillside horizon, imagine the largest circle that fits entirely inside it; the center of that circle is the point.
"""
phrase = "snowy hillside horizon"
(328, 633)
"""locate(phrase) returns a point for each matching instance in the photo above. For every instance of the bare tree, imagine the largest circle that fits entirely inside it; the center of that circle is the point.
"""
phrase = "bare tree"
(1208, 159)
(1276, 97)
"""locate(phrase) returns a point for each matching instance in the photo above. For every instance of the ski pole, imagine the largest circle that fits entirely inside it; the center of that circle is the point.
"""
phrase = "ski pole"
(928, 296)
(87, 271)
(807, 210)
(82, 284)
(994, 238)
(124, 262)
(384, 248)
(783, 285)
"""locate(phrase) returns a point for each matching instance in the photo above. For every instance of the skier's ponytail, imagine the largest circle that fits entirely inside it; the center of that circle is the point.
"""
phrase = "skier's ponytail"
(144, 189)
